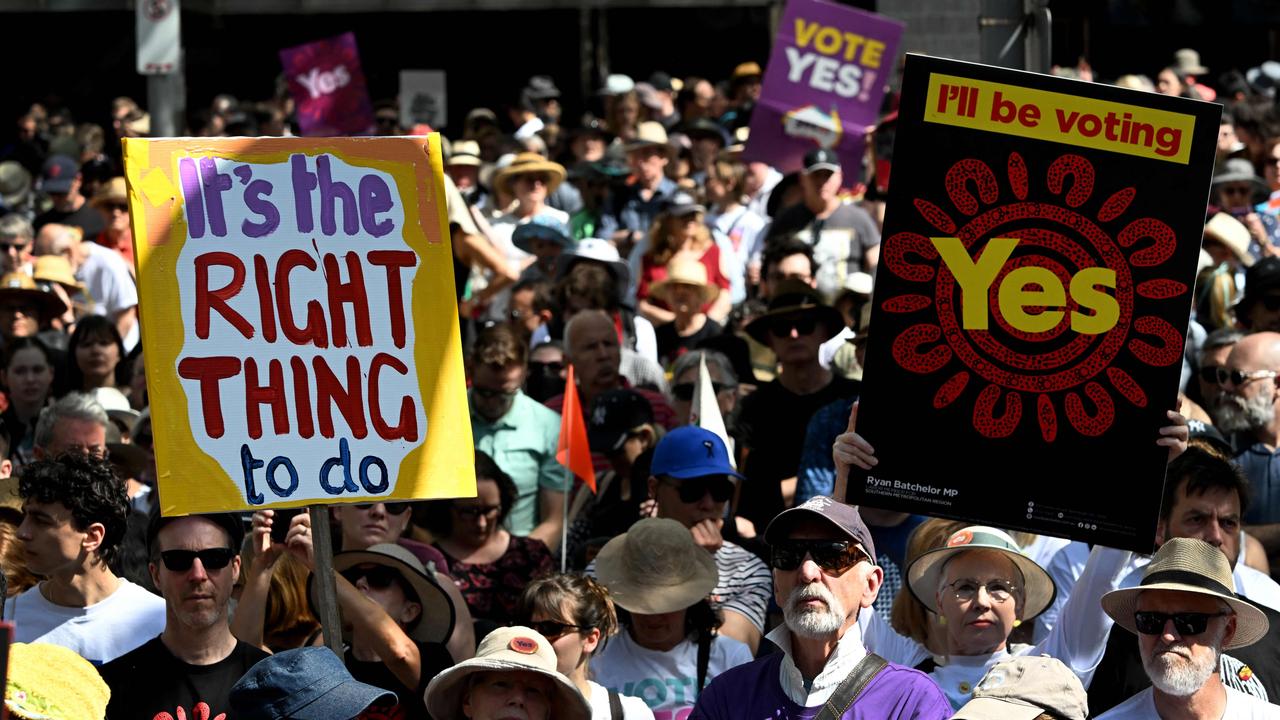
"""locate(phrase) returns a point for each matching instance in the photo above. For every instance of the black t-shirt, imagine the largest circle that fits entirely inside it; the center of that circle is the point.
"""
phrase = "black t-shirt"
(772, 423)
(435, 659)
(150, 681)
(1120, 674)
(86, 218)
(671, 345)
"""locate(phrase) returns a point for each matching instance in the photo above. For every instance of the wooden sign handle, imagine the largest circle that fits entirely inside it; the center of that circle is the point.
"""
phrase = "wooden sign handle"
(325, 585)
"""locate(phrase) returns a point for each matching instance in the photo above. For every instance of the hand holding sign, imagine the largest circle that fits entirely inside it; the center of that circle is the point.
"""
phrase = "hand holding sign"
(850, 448)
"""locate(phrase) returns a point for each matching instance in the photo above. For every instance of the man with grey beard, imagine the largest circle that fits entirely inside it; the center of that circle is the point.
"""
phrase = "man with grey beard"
(1248, 409)
(824, 572)
(1185, 616)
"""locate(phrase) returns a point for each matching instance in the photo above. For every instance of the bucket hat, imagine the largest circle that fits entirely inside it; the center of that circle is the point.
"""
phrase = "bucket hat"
(1024, 688)
(926, 571)
(656, 567)
(541, 227)
(308, 683)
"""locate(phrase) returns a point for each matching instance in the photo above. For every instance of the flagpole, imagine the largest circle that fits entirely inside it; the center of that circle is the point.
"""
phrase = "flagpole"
(564, 524)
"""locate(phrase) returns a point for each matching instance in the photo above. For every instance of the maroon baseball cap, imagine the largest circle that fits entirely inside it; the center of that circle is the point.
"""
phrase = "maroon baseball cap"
(844, 517)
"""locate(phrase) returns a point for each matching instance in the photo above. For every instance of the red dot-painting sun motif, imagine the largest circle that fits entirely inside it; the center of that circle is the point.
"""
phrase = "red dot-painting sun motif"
(1045, 376)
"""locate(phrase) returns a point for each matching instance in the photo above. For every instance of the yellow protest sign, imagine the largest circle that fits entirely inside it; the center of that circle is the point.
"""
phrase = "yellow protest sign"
(299, 321)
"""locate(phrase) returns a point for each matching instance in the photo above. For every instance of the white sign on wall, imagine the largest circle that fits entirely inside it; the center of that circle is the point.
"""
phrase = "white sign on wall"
(159, 36)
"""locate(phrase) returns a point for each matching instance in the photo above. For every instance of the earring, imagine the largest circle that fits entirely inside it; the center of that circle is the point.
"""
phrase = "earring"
(1017, 623)
(942, 619)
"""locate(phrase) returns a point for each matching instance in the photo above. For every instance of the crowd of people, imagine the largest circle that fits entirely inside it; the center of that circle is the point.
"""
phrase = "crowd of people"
(706, 575)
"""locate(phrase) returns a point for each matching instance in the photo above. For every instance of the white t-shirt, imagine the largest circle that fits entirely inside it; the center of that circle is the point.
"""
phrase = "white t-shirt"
(1239, 707)
(100, 633)
(663, 680)
(633, 708)
(106, 277)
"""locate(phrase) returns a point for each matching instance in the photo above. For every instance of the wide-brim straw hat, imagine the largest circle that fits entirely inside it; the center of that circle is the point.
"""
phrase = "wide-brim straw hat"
(21, 285)
(793, 297)
(655, 568)
(527, 163)
(924, 574)
(112, 191)
(685, 272)
(51, 681)
(55, 268)
(509, 649)
(435, 624)
(650, 134)
(1192, 566)
(1232, 234)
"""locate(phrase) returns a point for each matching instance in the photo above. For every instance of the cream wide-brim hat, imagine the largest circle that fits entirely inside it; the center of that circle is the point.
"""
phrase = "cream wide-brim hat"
(924, 574)
(656, 568)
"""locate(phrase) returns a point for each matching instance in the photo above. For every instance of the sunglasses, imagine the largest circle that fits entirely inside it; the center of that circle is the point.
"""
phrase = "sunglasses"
(378, 577)
(1237, 378)
(694, 489)
(684, 391)
(551, 629)
(802, 325)
(12, 247)
(115, 207)
(833, 556)
(1186, 623)
(210, 558)
(475, 512)
(1209, 373)
(389, 508)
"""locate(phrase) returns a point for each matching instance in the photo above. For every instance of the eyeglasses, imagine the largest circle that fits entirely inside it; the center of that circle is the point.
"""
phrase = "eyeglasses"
(833, 556)
(491, 394)
(1237, 378)
(551, 629)
(388, 508)
(1186, 623)
(475, 512)
(998, 590)
(692, 490)
(210, 558)
(802, 324)
(684, 391)
(378, 577)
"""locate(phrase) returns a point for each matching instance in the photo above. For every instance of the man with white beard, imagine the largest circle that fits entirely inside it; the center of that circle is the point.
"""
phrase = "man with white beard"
(824, 572)
(1185, 616)
(1248, 409)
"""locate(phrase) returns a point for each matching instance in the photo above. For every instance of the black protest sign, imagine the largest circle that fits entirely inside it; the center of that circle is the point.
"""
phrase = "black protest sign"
(1035, 280)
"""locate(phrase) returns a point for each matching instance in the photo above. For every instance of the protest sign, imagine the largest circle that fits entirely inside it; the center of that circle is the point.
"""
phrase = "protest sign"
(823, 85)
(328, 87)
(423, 100)
(1039, 254)
(299, 321)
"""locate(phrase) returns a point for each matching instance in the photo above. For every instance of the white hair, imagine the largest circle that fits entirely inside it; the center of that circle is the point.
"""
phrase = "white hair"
(80, 406)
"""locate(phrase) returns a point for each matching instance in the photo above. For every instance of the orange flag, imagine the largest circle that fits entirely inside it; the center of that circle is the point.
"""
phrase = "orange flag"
(573, 452)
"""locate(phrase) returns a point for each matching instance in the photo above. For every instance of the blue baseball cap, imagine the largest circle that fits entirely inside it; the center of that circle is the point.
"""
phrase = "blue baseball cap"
(690, 452)
(308, 683)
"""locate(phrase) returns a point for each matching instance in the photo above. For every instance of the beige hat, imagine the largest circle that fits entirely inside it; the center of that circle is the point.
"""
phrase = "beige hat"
(684, 271)
(507, 649)
(465, 152)
(435, 623)
(650, 134)
(1188, 62)
(21, 285)
(55, 268)
(1193, 566)
(925, 572)
(527, 163)
(1232, 233)
(656, 567)
(113, 190)
(1024, 688)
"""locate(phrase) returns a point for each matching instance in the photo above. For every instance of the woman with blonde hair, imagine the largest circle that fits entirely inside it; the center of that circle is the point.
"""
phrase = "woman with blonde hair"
(576, 614)
(678, 234)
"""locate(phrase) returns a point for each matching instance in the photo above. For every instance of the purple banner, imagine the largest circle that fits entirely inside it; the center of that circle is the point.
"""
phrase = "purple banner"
(328, 87)
(823, 85)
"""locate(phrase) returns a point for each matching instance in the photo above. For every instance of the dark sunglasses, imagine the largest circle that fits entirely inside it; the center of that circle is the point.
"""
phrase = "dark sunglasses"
(1209, 373)
(113, 207)
(476, 511)
(490, 394)
(684, 391)
(803, 325)
(210, 558)
(1238, 378)
(389, 508)
(694, 489)
(551, 629)
(12, 247)
(833, 556)
(378, 577)
(555, 367)
(1186, 623)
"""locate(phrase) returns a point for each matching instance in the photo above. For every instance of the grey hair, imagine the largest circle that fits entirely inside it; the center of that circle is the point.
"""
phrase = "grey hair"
(714, 358)
(578, 319)
(14, 225)
(80, 406)
(1220, 338)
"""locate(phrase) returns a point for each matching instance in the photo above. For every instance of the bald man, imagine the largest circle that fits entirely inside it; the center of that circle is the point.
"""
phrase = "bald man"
(103, 271)
(1248, 409)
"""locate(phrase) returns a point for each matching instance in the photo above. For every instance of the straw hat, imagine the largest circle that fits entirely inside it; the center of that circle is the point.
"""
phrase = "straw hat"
(650, 134)
(924, 574)
(465, 152)
(55, 268)
(112, 191)
(1232, 233)
(21, 285)
(50, 682)
(684, 271)
(507, 649)
(1193, 566)
(656, 567)
(435, 623)
(527, 163)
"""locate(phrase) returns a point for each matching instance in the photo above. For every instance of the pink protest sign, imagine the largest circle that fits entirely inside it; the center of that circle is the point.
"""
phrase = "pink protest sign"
(328, 87)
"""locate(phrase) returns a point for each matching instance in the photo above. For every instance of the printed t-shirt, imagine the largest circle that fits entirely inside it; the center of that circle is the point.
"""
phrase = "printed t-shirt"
(150, 683)
(663, 680)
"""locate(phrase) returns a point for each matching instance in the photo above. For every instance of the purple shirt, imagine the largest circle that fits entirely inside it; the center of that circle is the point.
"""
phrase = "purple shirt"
(754, 691)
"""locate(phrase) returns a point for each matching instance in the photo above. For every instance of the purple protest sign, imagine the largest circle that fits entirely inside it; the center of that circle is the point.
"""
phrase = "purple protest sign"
(328, 87)
(824, 84)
